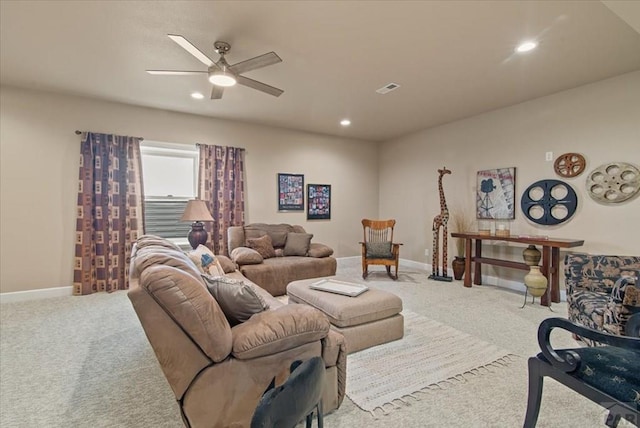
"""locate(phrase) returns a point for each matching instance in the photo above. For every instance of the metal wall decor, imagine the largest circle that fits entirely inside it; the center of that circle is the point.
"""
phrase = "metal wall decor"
(613, 182)
(569, 165)
(549, 202)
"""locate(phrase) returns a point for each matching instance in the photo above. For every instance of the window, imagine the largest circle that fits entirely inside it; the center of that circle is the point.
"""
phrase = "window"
(170, 179)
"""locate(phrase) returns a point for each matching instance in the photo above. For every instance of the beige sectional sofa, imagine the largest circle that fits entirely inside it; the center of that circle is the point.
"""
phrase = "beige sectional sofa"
(217, 372)
(294, 256)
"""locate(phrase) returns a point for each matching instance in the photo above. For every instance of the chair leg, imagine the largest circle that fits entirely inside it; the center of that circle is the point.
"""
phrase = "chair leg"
(612, 419)
(320, 416)
(535, 394)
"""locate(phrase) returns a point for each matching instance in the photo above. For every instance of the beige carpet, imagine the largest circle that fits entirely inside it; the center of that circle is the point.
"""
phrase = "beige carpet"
(430, 355)
(85, 362)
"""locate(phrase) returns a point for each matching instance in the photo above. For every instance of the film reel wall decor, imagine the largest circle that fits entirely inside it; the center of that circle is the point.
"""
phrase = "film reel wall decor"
(570, 165)
(613, 182)
(549, 202)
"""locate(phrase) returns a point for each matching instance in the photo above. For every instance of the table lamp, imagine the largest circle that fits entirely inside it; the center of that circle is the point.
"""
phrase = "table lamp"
(197, 212)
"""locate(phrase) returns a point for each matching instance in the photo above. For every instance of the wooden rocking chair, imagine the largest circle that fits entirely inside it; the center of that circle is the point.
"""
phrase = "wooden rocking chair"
(378, 247)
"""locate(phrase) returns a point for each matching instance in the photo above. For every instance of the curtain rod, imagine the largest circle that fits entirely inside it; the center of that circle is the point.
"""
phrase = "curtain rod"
(80, 132)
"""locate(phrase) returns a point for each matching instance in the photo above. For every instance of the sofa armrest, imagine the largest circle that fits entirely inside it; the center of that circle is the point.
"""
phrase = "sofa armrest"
(334, 353)
(278, 330)
(319, 250)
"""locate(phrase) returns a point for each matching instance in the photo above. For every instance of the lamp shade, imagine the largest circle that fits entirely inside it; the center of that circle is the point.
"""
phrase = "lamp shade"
(196, 210)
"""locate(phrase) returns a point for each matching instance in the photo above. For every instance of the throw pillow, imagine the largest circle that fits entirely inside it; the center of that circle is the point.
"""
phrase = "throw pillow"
(319, 250)
(263, 246)
(238, 300)
(226, 264)
(206, 262)
(379, 250)
(246, 256)
(297, 244)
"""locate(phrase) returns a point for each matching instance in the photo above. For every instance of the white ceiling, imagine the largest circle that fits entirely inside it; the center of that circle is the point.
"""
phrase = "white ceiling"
(452, 59)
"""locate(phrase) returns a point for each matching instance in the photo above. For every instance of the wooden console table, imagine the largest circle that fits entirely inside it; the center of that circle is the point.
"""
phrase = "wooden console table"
(550, 259)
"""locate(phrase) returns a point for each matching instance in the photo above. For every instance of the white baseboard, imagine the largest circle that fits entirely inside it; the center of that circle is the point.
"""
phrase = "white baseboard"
(486, 279)
(43, 293)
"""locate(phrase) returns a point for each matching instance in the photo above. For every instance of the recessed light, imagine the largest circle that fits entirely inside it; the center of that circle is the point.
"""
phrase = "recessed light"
(197, 95)
(526, 47)
(345, 122)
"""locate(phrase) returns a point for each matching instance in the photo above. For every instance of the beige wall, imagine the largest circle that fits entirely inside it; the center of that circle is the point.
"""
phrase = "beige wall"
(601, 121)
(39, 170)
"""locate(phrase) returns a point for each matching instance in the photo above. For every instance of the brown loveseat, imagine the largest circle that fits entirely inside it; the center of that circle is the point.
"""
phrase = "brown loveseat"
(293, 257)
(218, 373)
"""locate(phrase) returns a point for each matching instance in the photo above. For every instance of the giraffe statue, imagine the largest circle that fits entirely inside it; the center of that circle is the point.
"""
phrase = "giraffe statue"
(440, 221)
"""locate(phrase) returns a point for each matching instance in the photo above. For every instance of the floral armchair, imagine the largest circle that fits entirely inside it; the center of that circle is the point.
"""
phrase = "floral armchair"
(602, 291)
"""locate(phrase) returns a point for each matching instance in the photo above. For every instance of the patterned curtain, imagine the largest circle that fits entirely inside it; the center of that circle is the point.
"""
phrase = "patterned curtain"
(109, 212)
(221, 186)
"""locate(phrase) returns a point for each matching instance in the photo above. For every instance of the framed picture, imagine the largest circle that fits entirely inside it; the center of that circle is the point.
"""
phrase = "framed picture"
(290, 192)
(495, 194)
(318, 201)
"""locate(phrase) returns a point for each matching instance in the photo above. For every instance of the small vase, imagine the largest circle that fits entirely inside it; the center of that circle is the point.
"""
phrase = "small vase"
(531, 255)
(458, 267)
(535, 281)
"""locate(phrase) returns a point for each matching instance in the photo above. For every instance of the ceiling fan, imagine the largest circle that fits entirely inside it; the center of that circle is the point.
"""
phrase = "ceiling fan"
(220, 73)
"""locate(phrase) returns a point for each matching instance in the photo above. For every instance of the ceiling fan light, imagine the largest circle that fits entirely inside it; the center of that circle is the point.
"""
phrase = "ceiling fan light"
(222, 78)
(526, 47)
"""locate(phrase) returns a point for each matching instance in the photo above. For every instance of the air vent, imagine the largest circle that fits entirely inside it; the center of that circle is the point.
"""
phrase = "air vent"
(388, 88)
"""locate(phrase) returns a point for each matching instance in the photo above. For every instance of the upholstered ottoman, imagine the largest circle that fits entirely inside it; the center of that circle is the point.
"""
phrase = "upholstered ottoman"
(370, 319)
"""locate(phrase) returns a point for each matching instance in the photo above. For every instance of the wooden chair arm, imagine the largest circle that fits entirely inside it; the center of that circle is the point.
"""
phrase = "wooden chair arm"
(571, 360)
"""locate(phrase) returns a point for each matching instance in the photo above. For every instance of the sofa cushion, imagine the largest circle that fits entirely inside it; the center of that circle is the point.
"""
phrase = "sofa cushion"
(238, 300)
(263, 246)
(284, 328)
(587, 308)
(226, 264)
(379, 250)
(152, 255)
(319, 250)
(206, 261)
(297, 244)
(157, 241)
(190, 305)
(274, 274)
(246, 256)
(277, 232)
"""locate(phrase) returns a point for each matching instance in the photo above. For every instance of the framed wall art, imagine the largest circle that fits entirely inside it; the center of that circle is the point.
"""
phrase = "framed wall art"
(290, 192)
(495, 194)
(318, 201)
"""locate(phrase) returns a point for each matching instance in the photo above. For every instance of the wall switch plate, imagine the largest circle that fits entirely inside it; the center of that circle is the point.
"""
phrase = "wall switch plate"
(548, 156)
(426, 251)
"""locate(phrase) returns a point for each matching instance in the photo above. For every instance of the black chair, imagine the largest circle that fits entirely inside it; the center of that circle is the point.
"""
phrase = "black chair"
(288, 404)
(608, 375)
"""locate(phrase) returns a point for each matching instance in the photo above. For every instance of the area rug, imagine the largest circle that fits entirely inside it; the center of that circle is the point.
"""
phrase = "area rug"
(431, 355)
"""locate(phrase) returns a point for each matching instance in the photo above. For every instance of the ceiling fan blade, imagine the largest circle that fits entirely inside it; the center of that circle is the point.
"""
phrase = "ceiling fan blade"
(254, 63)
(175, 72)
(259, 86)
(188, 46)
(216, 92)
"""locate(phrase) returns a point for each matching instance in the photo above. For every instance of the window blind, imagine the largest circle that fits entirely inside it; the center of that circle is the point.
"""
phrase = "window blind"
(162, 218)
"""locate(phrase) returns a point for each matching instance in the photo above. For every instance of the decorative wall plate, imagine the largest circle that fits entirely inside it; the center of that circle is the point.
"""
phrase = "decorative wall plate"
(613, 182)
(569, 165)
(549, 202)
